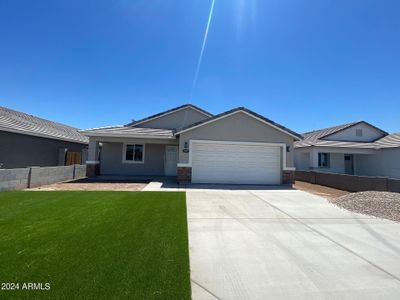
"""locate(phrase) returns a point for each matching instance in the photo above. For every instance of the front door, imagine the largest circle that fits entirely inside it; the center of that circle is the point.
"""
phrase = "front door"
(348, 164)
(171, 160)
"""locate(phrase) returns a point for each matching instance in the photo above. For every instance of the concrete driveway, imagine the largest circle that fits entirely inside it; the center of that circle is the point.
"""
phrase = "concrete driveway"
(288, 244)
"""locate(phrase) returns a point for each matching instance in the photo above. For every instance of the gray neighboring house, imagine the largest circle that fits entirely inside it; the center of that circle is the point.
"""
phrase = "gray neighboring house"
(27, 141)
(235, 147)
(357, 148)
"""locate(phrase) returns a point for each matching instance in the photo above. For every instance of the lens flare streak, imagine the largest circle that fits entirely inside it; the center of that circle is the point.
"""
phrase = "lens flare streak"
(196, 75)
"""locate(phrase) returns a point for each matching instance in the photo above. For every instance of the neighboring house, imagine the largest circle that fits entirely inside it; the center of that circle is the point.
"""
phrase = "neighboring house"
(357, 148)
(27, 141)
(237, 146)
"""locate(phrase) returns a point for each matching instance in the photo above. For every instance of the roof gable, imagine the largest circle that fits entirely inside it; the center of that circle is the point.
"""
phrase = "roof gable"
(342, 136)
(246, 111)
(369, 133)
(157, 119)
(320, 133)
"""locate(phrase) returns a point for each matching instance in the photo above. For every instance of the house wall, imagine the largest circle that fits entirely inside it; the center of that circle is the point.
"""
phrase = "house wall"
(369, 134)
(336, 164)
(19, 151)
(240, 128)
(386, 162)
(111, 160)
(302, 160)
(176, 119)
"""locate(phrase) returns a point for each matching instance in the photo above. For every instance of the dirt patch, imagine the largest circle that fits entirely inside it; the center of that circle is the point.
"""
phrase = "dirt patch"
(379, 204)
(320, 190)
(92, 186)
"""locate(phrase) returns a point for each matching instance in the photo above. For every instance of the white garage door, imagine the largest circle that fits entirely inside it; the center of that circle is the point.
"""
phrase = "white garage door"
(235, 163)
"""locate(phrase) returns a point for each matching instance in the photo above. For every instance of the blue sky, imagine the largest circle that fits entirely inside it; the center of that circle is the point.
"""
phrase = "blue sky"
(306, 64)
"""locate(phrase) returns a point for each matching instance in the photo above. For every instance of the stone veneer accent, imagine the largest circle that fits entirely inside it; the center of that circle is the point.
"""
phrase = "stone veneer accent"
(184, 174)
(288, 177)
(92, 170)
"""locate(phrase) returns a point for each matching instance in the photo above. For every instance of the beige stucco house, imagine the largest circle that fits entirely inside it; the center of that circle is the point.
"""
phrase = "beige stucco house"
(357, 148)
(238, 146)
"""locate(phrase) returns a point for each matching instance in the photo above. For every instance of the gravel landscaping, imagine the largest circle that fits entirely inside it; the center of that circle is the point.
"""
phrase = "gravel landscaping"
(379, 204)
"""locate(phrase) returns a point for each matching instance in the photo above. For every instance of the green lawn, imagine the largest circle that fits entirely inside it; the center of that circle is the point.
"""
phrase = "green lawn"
(90, 245)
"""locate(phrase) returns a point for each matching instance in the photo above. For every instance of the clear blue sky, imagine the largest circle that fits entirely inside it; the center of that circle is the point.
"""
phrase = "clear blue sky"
(306, 64)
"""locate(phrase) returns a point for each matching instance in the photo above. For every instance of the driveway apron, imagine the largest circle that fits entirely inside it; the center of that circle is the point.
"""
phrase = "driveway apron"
(288, 244)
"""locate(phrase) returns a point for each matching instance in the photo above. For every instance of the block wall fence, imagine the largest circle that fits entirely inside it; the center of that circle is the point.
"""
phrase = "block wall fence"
(22, 178)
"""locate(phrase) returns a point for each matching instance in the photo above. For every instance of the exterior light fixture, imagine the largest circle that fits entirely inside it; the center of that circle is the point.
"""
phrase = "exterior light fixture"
(185, 147)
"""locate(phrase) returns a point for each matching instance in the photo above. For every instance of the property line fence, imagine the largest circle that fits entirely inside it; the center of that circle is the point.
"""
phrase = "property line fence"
(352, 183)
(22, 178)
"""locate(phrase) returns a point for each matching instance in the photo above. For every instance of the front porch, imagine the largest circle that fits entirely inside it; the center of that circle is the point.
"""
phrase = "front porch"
(331, 160)
(145, 157)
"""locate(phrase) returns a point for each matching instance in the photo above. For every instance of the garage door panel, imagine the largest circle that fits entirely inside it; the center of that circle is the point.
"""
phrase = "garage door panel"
(235, 163)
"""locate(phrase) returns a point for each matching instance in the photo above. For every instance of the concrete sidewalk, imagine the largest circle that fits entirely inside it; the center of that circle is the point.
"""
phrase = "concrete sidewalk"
(288, 244)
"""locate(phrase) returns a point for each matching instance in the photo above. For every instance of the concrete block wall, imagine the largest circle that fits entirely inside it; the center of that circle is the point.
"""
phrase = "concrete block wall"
(22, 178)
(14, 179)
(80, 171)
(49, 175)
(394, 185)
(350, 183)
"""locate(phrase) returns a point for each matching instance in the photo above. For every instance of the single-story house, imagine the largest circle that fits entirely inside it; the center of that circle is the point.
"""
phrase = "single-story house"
(238, 146)
(27, 141)
(357, 148)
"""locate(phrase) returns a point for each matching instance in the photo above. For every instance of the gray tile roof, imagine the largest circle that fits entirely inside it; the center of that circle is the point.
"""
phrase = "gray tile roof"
(389, 141)
(18, 122)
(339, 144)
(133, 123)
(315, 138)
(129, 131)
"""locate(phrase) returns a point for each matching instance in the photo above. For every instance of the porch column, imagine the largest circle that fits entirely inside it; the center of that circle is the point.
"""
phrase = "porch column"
(93, 163)
(314, 159)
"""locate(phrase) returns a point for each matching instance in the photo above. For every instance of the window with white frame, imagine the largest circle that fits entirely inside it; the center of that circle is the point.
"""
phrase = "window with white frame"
(133, 153)
(323, 160)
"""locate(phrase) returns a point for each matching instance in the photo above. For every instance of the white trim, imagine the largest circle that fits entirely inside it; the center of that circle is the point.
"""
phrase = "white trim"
(281, 145)
(233, 113)
(92, 162)
(289, 169)
(129, 136)
(171, 112)
(124, 161)
(103, 127)
(184, 165)
(51, 137)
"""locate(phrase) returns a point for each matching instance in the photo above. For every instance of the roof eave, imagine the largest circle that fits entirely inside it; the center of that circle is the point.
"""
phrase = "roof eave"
(352, 125)
(167, 112)
(96, 134)
(36, 134)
